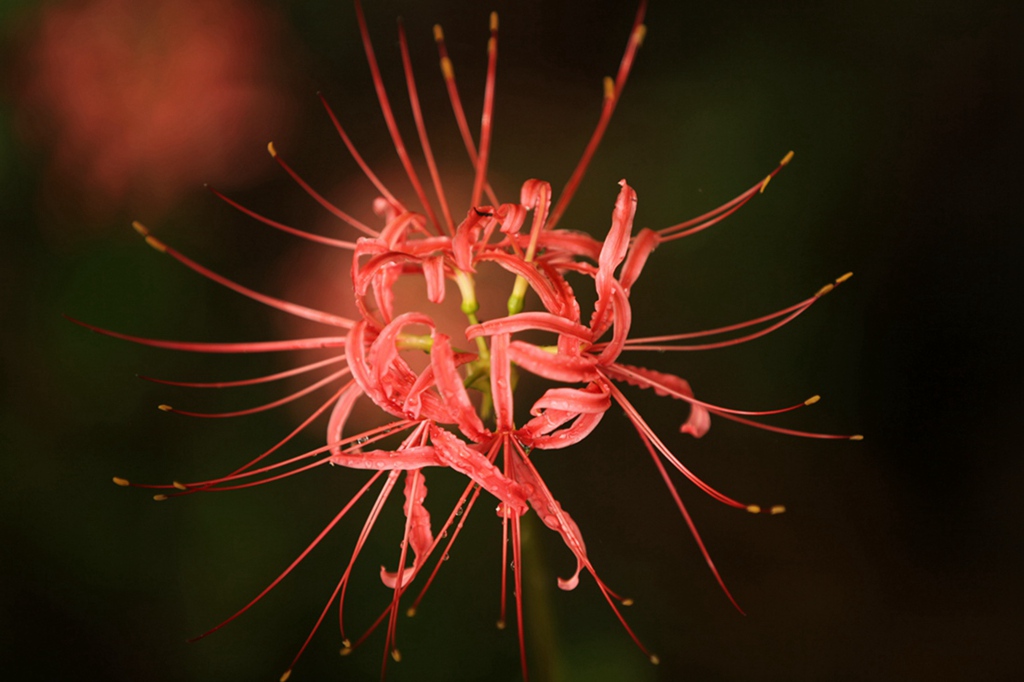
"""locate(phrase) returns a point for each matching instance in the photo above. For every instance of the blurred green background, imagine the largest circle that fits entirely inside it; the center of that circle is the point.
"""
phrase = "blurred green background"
(899, 557)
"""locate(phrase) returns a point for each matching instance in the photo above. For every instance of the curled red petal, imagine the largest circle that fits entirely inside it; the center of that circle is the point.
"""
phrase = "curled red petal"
(556, 367)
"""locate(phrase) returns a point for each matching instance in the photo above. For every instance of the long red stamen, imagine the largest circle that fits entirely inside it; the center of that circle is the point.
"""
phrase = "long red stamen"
(640, 424)
(319, 239)
(612, 93)
(298, 559)
(205, 347)
(389, 118)
(371, 176)
(337, 212)
(247, 382)
(266, 406)
(421, 129)
(686, 516)
(714, 216)
(285, 306)
(448, 71)
(488, 112)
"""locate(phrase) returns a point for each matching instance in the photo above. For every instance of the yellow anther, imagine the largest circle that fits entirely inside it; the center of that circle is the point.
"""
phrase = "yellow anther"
(140, 228)
(179, 485)
(396, 654)
(845, 277)
(494, 21)
(411, 611)
(786, 159)
(609, 88)
(640, 34)
(655, 660)
(813, 399)
(346, 651)
(753, 509)
(270, 148)
(123, 482)
(764, 183)
(500, 624)
(857, 437)
(777, 509)
(627, 602)
(284, 676)
(438, 33)
(165, 408)
(160, 498)
(156, 244)
(492, 45)
(347, 643)
(824, 290)
(446, 69)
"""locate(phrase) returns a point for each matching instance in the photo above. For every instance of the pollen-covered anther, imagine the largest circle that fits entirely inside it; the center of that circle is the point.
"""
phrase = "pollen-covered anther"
(500, 624)
(627, 601)
(271, 149)
(150, 239)
(396, 654)
(857, 437)
(179, 485)
(159, 497)
(824, 290)
(123, 482)
(813, 399)
(786, 159)
(754, 508)
(285, 675)
(494, 21)
(438, 33)
(609, 88)
(411, 611)
(764, 184)
(843, 278)
(654, 659)
(777, 509)
(345, 650)
(164, 407)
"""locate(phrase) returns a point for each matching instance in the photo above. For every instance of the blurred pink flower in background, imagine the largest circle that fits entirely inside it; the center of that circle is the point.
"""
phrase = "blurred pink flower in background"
(136, 103)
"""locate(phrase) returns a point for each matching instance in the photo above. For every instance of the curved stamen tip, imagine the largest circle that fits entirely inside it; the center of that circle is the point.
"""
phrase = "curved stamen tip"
(159, 498)
(813, 399)
(654, 659)
(411, 611)
(285, 675)
(165, 408)
(857, 437)
(270, 148)
(396, 654)
(786, 159)
(123, 482)
(150, 239)
(500, 624)
(494, 21)
(777, 509)
(438, 33)
(179, 485)
(609, 88)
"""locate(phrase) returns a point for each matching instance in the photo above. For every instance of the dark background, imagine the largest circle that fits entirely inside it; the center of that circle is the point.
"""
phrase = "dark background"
(899, 557)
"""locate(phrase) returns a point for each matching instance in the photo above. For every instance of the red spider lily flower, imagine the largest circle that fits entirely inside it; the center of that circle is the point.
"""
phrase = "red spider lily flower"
(455, 408)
